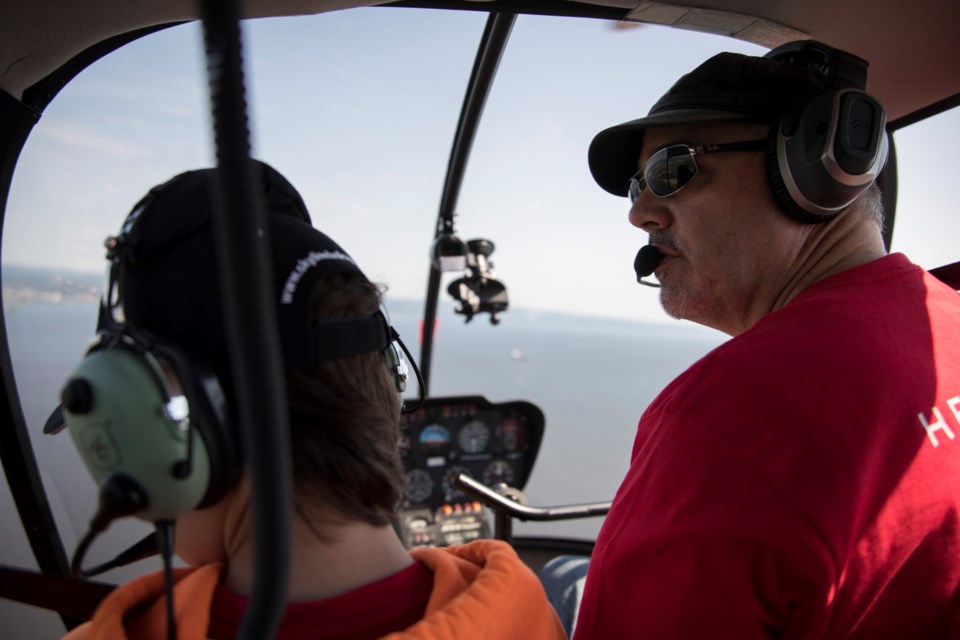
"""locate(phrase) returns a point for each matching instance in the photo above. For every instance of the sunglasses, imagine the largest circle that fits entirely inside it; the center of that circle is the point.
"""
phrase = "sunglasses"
(672, 168)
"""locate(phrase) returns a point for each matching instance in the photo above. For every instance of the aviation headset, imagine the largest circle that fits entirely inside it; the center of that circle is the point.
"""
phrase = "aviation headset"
(828, 150)
(150, 419)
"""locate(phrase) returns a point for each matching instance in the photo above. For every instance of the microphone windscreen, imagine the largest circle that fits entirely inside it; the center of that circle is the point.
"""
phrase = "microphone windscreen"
(646, 261)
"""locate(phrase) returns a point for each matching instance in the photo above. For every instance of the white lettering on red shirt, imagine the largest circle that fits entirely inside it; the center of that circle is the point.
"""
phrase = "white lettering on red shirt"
(939, 424)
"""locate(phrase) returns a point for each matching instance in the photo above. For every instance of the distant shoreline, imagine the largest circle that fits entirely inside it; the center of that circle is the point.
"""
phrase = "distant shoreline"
(22, 284)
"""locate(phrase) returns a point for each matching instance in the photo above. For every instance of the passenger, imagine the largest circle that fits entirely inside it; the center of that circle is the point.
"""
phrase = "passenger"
(802, 480)
(350, 576)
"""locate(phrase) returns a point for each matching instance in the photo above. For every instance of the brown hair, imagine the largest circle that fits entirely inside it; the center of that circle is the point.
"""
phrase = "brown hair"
(344, 422)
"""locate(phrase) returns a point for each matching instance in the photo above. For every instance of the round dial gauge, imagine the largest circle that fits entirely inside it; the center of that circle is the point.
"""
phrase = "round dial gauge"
(450, 490)
(474, 437)
(498, 471)
(419, 486)
(512, 433)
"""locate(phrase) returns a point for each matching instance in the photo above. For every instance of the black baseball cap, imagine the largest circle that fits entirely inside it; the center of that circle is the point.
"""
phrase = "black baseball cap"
(727, 87)
(170, 283)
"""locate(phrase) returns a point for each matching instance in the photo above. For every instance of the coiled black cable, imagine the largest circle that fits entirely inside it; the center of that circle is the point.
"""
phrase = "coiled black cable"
(243, 245)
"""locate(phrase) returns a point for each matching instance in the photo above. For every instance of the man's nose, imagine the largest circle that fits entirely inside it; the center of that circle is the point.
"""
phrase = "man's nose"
(648, 212)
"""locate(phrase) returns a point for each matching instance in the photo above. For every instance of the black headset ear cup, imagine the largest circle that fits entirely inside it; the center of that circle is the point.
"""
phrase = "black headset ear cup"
(822, 156)
(780, 192)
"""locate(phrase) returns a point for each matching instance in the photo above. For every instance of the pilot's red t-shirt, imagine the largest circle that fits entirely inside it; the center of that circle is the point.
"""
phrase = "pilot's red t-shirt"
(800, 481)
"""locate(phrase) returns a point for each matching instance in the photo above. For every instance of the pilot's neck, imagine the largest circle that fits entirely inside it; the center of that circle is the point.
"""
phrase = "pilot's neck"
(348, 556)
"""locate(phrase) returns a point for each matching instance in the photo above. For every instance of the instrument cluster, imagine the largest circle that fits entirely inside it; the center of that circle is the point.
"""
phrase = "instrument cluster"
(491, 442)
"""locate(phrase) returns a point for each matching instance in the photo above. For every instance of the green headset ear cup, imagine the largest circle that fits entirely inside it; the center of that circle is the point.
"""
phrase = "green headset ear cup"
(210, 417)
(125, 428)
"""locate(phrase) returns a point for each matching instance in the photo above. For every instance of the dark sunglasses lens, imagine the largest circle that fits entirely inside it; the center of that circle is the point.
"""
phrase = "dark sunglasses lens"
(669, 170)
(634, 188)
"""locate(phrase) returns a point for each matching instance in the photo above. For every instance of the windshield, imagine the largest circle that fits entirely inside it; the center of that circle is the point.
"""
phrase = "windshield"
(358, 109)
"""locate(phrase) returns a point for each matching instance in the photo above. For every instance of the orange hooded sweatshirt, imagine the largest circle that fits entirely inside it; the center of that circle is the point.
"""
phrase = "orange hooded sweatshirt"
(481, 591)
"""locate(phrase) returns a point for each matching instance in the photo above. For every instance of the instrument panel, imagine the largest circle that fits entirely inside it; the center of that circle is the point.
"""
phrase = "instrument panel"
(491, 442)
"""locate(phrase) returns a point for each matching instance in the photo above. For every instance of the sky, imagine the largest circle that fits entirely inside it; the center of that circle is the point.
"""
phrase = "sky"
(358, 109)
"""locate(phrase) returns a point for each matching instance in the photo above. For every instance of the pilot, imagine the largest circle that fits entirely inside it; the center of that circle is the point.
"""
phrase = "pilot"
(802, 480)
(350, 575)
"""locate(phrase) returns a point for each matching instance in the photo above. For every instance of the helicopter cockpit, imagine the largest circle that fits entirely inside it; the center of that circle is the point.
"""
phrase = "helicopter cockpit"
(534, 372)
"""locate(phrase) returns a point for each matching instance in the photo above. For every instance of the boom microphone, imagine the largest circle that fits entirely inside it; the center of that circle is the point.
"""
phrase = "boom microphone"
(646, 261)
